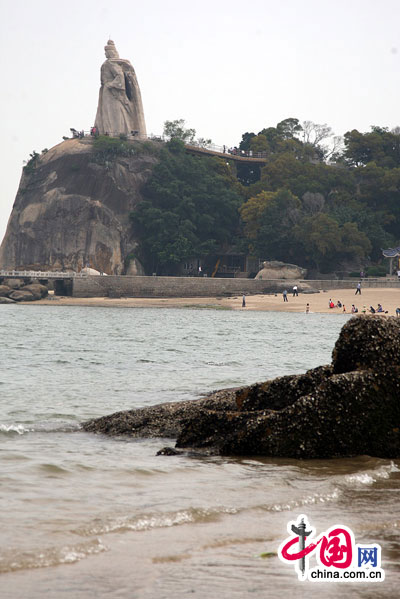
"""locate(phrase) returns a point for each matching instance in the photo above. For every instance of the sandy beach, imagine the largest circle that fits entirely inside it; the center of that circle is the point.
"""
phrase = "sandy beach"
(319, 302)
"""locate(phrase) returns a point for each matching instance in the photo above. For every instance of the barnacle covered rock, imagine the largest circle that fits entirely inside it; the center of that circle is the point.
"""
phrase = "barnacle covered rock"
(367, 342)
(351, 407)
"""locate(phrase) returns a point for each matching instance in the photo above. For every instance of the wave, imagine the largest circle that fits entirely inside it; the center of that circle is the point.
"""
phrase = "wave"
(46, 427)
(11, 561)
(312, 499)
(18, 429)
(155, 520)
(371, 476)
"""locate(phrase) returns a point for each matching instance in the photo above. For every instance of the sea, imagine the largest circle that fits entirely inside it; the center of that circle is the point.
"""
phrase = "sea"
(89, 516)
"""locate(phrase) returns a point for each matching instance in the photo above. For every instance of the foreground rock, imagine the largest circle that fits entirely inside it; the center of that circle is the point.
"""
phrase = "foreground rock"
(351, 407)
(162, 420)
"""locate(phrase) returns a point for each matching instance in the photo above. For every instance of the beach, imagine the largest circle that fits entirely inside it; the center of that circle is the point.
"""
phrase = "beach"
(319, 302)
(90, 515)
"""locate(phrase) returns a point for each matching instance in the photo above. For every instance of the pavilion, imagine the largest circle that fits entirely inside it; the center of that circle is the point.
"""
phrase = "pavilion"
(392, 253)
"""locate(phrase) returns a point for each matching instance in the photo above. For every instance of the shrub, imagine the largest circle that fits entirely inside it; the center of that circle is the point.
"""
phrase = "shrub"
(376, 271)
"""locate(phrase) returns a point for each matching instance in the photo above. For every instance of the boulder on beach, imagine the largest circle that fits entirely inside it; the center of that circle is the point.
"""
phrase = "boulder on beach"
(281, 270)
(6, 300)
(22, 295)
(28, 293)
(14, 283)
(5, 290)
(348, 408)
(38, 291)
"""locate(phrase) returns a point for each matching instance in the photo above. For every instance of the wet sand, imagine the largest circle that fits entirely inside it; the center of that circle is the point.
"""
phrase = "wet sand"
(319, 302)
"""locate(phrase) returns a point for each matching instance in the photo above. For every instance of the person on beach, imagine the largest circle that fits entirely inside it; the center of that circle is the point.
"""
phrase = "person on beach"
(372, 310)
(364, 310)
(358, 290)
(243, 301)
(339, 304)
(397, 311)
(331, 304)
(381, 310)
(344, 308)
(308, 309)
(295, 291)
(284, 294)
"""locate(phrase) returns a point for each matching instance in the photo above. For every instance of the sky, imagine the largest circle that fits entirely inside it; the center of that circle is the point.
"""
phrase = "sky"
(225, 66)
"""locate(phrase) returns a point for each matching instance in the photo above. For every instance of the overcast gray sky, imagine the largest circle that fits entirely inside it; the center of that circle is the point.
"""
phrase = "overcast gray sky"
(225, 66)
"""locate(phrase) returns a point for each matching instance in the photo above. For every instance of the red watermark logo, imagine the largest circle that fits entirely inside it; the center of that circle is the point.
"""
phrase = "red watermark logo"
(337, 554)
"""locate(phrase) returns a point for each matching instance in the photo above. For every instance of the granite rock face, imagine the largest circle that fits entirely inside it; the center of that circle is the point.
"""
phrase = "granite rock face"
(72, 210)
(349, 408)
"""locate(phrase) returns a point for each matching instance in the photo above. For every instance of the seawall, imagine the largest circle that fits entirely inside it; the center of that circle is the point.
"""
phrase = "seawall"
(124, 286)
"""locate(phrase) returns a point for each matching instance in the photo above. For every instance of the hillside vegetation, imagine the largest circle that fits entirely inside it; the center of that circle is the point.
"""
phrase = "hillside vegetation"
(321, 205)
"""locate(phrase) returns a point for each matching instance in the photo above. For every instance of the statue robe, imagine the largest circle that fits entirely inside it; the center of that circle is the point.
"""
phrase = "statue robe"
(120, 109)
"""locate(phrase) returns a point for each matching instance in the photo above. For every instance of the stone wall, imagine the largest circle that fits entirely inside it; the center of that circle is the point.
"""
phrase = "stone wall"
(124, 286)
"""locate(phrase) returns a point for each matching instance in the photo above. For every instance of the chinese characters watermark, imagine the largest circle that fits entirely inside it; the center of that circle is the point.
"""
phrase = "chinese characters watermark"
(337, 554)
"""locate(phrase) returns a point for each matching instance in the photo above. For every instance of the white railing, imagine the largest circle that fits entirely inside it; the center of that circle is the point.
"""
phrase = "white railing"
(40, 274)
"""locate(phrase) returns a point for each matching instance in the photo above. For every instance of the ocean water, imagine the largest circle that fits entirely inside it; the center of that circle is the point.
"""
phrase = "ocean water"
(85, 516)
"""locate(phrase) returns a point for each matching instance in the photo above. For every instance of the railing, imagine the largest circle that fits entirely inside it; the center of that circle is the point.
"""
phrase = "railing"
(194, 144)
(40, 274)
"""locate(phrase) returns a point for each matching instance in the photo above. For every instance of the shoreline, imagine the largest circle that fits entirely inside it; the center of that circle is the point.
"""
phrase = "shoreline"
(319, 302)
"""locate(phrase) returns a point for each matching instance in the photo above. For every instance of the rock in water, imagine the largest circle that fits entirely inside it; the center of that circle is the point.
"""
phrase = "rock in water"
(349, 408)
(120, 109)
(367, 342)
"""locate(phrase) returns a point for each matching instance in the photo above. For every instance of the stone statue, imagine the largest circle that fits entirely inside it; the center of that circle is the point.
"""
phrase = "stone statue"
(120, 109)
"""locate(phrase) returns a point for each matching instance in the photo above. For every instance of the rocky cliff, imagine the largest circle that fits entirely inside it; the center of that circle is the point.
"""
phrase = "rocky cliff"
(72, 209)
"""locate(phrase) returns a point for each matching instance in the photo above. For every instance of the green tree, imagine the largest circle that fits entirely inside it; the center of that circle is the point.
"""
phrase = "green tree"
(177, 130)
(320, 239)
(289, 128)
(379, 145)
(190, 209)
(268, 220)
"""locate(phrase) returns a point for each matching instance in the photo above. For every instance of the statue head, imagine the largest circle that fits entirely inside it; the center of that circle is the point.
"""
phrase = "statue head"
(110, 50)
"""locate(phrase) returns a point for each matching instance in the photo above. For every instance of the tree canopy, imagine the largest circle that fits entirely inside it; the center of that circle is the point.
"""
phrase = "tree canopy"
(320, 201)
(190, 209)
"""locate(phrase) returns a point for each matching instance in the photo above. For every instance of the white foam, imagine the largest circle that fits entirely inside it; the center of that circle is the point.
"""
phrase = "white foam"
(51, 556)
(148, 522)
(369, 477)
(308, 500)
(14, 428)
